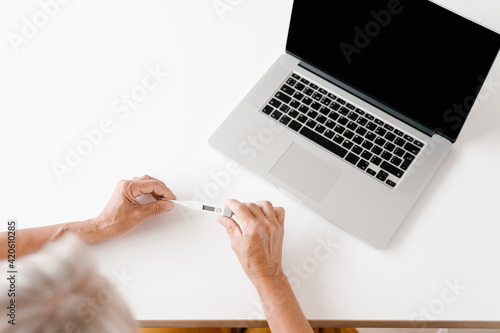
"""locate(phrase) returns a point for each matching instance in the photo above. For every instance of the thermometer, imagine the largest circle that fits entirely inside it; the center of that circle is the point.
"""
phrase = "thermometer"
(204, 207)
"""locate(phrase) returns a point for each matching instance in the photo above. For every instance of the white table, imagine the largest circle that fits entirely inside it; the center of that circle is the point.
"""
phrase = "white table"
(69, 77)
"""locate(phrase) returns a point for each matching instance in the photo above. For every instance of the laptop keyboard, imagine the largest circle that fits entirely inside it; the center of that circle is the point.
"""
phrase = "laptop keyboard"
(376, 147)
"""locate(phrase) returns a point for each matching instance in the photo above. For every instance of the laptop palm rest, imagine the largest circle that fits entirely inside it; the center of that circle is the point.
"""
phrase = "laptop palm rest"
(306, 172)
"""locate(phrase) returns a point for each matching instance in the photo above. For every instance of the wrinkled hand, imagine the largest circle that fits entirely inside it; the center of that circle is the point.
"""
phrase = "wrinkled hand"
(124, 212)
(258, 238)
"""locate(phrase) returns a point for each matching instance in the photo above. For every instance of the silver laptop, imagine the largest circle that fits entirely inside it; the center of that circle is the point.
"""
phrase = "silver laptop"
(358, 115)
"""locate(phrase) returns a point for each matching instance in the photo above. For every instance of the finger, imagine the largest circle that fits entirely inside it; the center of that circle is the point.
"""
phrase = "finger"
(154, 208)
(148, 177)
(256, 211)
(267, 208)
(138, 187)
(280, 214)
(232, 228)
(241, 211)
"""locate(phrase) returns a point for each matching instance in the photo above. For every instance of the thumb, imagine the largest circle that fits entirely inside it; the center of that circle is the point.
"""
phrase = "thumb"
(232, 228)
(155, 208)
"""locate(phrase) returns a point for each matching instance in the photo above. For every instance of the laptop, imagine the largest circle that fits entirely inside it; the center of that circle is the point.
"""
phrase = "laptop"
(360, 112)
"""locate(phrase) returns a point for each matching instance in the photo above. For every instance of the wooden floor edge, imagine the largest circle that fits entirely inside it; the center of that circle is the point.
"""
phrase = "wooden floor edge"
(325, 323)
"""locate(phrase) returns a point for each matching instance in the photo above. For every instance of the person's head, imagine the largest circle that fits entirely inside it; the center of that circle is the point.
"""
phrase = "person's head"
(59, 291)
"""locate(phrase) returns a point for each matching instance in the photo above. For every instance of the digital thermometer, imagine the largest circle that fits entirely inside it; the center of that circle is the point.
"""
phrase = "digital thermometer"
(204, 207)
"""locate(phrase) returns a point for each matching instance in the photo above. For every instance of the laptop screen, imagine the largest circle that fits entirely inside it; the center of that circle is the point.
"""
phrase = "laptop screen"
(412, 58)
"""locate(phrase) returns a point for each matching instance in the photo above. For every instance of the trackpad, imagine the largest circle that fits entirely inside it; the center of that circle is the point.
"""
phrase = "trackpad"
(306, 172)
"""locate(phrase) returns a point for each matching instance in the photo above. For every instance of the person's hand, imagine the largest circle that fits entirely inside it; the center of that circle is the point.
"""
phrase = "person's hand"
(258, 238)
(124, 212)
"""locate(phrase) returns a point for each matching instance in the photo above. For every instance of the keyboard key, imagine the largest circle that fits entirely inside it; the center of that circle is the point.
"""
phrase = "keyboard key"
(371, 126)
(300, 86)
(321, 119)
(347, 144)
(323, 142)
(379, 141)
(274, 102)
(302, 118)
(390, 136)
(348, 134)
(418, 144)
(291, 82)
(390, 183)
(284, 108)
(343, 120)
(332, 96)
(367, 145)
(409, 157)
(333, 115)
(312, 85)
(362, 121)
(303, 108)
(307, 101)
(295, 125)
(338, 139)
(370, 136)
(326, 101)
(371, 172)
(357, 150)
(361, 131)
(339, 129)
(363, 164)
(316, 106)
(293, 113)
(344, 111)
(359, 111)
(330, 124)
(358, 139)
(340, 101)
(405, 165)
(396, 161)
(268, 109)
(369, 116)
(308, 91)
(352, 126)
(400, 142)
(304, 81)
(412, 148)
(376, 160)
(350, 106)
(408, 138)
(366, 155)
(288, 90)
(377, 150)
(296, 76)
(324, 110)
(389, 146)
(311, 123)
(285, 120)
(392, 169)
(312, 114)
(352, 116)
(335, 106)
(320, 129)
(389, 127)
(379, 122)
(398, 132)
(386, 155)
(317, 96)
(283, 97)
(329, 134)
(295, 104)
(382, 175)
(351, 158)
(380, 131)
(399, 152)
(323, 91)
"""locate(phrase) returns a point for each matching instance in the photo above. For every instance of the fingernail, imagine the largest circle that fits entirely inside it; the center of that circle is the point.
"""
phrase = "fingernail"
(169, 205)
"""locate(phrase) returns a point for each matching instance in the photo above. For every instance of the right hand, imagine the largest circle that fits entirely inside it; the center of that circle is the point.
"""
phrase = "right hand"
(258, 238)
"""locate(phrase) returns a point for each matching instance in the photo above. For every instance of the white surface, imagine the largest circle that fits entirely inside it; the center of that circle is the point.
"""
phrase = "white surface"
(66, 79)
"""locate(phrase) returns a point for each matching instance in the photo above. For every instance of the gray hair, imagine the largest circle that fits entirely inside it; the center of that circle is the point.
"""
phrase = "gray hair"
(58, 290)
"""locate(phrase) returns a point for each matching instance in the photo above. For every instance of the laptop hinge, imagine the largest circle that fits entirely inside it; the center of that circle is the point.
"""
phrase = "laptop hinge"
(422, 128)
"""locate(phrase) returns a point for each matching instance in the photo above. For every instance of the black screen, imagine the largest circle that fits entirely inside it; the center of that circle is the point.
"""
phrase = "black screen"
(413, 57)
